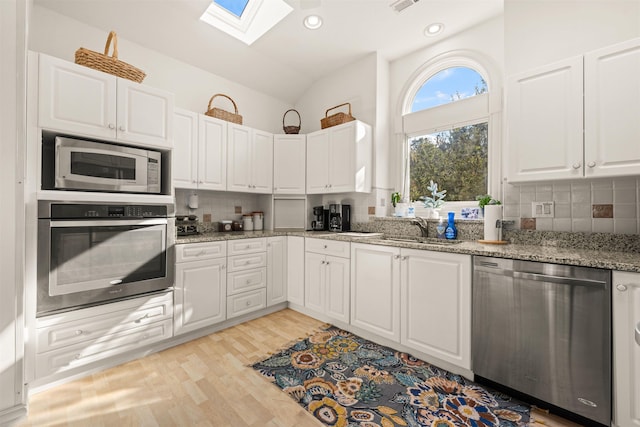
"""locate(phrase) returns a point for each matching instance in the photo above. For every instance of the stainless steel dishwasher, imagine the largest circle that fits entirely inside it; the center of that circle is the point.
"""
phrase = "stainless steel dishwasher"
(545, 330)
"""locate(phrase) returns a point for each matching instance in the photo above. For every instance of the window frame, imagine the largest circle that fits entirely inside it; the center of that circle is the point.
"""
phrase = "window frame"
(483, 107)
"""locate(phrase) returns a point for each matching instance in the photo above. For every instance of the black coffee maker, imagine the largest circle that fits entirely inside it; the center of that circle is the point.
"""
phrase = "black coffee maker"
(339, 217)
(320, 219)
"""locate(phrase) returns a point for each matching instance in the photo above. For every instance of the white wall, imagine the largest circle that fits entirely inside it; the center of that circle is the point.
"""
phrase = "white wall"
(541, 32)
(60, 36)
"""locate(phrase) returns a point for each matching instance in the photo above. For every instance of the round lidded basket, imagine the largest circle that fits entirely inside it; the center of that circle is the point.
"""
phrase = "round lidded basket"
(291, 129)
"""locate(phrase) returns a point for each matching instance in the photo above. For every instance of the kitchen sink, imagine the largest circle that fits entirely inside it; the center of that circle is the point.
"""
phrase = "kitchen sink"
(426, 240)
(360, 234)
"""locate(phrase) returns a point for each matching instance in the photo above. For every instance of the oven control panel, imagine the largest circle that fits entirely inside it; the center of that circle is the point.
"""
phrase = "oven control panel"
(78, 211)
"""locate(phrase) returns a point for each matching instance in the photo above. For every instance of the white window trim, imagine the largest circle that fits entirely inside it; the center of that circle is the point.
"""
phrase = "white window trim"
(490, 73)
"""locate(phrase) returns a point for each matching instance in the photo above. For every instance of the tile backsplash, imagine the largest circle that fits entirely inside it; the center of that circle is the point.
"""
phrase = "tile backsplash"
(595, 205)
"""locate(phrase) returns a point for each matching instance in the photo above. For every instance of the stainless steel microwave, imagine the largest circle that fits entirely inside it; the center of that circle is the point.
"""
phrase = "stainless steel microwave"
(98, 166)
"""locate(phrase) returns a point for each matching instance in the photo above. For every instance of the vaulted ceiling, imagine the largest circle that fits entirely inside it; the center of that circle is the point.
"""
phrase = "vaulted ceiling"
(288, 58)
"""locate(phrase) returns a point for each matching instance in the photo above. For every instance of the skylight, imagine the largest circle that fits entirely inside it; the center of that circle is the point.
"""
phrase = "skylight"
(246, 20)
(233, 6)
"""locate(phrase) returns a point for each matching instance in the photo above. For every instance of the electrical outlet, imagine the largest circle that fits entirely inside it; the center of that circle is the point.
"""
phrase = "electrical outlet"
(542, 209)
(383, 202)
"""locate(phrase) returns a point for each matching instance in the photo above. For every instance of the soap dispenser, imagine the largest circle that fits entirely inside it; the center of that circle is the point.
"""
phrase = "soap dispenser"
(451, 232)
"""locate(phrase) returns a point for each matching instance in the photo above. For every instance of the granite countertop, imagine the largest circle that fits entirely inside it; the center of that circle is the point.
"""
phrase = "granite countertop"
(622, 261)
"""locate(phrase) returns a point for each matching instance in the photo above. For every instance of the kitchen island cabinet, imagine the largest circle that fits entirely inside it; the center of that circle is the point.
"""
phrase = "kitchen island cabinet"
(326, 285)
(83, 101)
(201, 285)
(626, 348)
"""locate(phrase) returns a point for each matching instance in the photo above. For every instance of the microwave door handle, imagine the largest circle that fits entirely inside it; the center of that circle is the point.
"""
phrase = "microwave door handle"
(107, 223)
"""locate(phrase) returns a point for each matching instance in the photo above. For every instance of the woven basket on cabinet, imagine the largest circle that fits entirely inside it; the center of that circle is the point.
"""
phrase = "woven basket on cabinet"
(109, 64)
(291, 129)
(219, 113)
(336, 119)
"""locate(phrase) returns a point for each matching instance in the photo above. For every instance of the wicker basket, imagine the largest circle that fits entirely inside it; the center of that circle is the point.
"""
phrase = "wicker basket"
(109, 64)
(219, 113)
(336, 119)
(291, 129)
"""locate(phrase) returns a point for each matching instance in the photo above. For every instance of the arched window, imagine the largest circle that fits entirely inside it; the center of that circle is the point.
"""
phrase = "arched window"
(446, 124)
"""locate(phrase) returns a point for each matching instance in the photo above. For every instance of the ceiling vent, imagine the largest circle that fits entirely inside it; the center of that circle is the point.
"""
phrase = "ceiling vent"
(400, 5)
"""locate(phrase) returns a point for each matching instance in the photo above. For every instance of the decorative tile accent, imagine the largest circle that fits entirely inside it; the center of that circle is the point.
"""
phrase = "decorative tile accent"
(528, 223)
(371, 210)
(602, 211)
(237, 209)
(206, 218)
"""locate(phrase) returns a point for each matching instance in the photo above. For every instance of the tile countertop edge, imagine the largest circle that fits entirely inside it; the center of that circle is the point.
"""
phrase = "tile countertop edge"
(621, 261)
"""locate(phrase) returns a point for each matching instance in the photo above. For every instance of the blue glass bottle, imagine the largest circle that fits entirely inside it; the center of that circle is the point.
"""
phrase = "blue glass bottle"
(451, 232)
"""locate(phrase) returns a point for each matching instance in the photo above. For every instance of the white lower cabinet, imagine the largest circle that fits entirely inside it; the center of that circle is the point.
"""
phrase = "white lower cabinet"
(327, 278)
(295, 270)
(246, 276)
(435, 295)
(375, 289)
(276, 270)
(201, 285)
(626, 349)
(68, 340)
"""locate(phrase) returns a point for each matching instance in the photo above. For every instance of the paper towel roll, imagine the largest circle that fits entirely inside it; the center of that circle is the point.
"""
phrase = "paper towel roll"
(492, 214)
(193, 201)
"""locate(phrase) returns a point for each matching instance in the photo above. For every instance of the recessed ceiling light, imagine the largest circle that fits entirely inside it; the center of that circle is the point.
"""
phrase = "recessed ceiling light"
(313, 22)
(433, 29)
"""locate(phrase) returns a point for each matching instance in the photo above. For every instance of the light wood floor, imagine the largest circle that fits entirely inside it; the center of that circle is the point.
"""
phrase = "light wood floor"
(205, 382)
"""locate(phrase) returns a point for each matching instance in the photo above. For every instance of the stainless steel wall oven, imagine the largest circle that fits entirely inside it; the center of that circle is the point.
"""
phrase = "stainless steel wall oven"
(90, 254)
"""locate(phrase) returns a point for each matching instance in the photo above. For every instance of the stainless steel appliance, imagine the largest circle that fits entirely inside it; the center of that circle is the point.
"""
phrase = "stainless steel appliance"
(93, 253)
(320, 219)
(76, 164)
(339, 217)
(545, 330)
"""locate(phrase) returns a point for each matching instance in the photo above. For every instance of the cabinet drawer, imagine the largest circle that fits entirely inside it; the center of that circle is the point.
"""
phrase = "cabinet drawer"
(246, 262)
(246, 302)
(198, 251)
(328, 247)
(246, 246)
(108, 345)
(242, 281)
(95, 323)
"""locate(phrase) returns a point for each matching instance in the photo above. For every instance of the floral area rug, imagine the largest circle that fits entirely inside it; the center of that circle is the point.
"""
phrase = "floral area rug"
(347, 381)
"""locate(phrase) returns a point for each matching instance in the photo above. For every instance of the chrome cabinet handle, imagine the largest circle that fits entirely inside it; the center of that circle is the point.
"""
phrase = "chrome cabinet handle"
(621, 288)
(591, 164)
(121, 129)
(404, 258)
(79, 332)
(111, 126)
(396, 257)
(576, 165)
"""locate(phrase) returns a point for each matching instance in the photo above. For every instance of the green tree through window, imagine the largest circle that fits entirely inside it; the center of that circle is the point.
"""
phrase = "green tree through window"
(457, 159)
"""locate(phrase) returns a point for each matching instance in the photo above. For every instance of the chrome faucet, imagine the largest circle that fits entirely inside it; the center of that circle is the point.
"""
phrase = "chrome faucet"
(422, 224)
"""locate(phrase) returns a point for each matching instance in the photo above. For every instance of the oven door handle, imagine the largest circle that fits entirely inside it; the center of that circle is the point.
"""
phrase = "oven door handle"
(108, 223)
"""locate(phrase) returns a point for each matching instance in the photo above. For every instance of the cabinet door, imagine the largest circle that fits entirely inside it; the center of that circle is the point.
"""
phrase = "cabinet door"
(276, 270)
(239, 158)
(144, 114)
(626, 348)
(611, 109)
(318, 162)
(375, 289)
(295, 270)
(184, 157)
(314, 281)
(200, 294)
(76, 99)
(289, 160)
(337, 281)
(436, 299)
(342, 148)
(212, 153)
(544, 112)
(262, 162)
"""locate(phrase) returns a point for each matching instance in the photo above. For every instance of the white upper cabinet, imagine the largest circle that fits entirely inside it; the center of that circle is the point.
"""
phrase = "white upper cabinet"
(576, 118)
(612, 109)
(212, 153)
(185, 150)
(544, 116)
(289, 159)
(339, 159)
(79, 100)
(250, 160)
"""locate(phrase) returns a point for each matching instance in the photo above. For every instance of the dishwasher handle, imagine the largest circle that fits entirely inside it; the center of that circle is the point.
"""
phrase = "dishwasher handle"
(558, 279)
